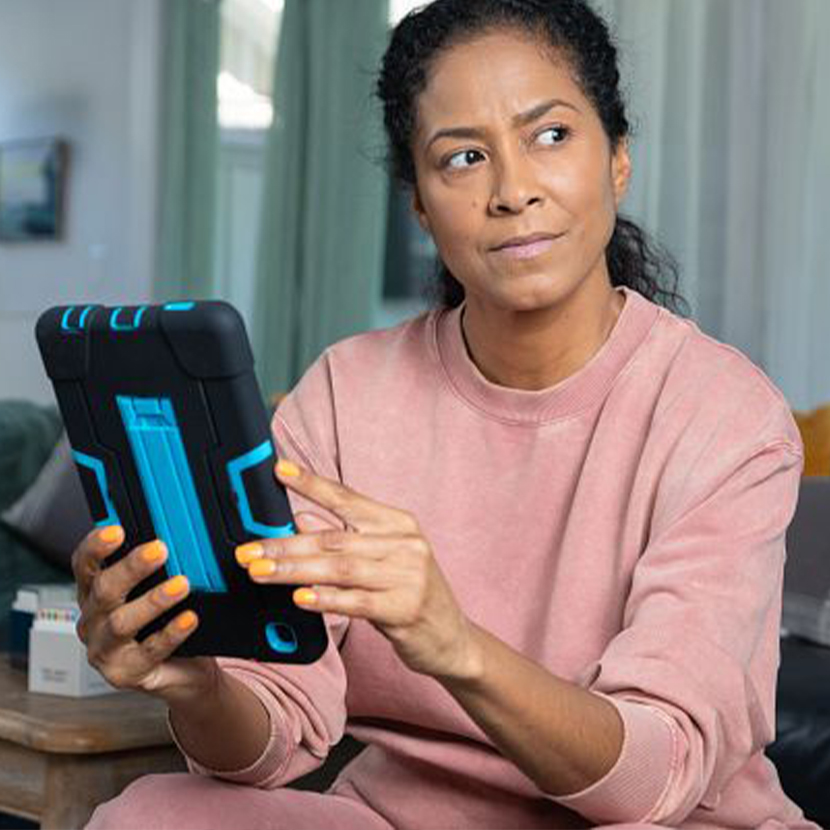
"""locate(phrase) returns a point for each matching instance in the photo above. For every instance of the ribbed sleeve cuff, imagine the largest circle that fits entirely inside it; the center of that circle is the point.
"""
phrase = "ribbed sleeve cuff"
(273, 758)
(633, 789)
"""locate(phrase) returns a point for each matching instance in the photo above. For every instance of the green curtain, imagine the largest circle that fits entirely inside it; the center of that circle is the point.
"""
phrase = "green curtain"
(323, 225)
(189, 148)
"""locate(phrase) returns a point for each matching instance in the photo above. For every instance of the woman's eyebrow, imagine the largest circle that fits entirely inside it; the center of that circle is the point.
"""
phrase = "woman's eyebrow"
(520, 120)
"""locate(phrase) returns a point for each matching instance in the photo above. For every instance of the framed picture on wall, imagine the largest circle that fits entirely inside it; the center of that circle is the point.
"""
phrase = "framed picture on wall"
(32, 184)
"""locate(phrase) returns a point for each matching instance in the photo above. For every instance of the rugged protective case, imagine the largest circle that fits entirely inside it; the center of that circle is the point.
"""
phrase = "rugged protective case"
(171, 440)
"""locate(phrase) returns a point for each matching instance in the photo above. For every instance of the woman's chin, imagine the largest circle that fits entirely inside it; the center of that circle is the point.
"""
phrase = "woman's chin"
(527, 295)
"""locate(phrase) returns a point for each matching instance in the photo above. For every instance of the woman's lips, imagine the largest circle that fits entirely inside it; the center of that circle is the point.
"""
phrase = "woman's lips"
(526, 249)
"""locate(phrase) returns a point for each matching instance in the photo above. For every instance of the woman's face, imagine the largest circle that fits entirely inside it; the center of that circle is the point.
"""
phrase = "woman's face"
(515, 178)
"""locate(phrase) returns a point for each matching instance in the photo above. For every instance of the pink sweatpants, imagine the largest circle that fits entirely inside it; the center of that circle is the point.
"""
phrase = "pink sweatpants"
(180, 801)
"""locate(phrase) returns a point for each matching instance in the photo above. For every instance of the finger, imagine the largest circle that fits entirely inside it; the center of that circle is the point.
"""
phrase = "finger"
(139, 665)
(127, 620)
(90, 553)
(323, 541)
(357, 510)
(351, 603)
(302, 544)
(159, 646)
(313, 522)
(110, 586)
(344, 571)
(371, 562)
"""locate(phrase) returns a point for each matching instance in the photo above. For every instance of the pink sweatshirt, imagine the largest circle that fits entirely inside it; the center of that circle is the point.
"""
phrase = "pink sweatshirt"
(624, 529)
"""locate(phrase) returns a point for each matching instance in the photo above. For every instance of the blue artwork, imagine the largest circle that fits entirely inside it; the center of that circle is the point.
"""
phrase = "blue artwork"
(32, 181)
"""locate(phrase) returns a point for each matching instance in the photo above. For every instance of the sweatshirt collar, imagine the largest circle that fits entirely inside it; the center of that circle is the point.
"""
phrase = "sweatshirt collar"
(582, 390)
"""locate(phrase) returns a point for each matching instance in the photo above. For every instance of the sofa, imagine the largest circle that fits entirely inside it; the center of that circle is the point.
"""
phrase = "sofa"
(42, 516)
(28, 435)
(801, 751)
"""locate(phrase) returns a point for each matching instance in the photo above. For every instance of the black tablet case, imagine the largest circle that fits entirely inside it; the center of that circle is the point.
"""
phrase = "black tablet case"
(171, 440)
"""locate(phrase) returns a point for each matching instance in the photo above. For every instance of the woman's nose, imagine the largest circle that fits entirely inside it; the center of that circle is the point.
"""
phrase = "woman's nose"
(514, 187)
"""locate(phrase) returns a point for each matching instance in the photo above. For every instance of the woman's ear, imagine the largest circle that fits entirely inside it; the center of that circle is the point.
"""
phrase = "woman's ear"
(621, 170)
(418, 210)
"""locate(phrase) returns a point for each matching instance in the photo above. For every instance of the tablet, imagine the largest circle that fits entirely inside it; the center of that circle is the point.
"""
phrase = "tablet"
(172, 441)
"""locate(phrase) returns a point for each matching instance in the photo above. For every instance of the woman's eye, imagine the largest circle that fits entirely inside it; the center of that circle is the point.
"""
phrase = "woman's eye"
(553, 135)
(464, 159)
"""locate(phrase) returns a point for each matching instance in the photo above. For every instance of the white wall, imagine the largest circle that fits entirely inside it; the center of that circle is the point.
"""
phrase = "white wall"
(85, 70)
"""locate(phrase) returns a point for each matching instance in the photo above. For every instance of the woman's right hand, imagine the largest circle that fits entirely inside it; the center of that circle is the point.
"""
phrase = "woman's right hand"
(108, 624)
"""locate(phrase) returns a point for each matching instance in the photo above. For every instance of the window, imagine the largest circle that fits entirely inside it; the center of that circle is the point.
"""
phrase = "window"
(249, 32)
(248, 37)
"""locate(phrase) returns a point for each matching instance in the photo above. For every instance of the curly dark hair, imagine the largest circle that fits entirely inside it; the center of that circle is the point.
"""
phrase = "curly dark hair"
(572, 29)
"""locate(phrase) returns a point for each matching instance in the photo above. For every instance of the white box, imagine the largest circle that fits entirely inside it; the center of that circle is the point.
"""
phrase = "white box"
(30, 597)
(57, 658)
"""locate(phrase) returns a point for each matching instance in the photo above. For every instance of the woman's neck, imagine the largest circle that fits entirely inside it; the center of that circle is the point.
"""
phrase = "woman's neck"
(536, 350)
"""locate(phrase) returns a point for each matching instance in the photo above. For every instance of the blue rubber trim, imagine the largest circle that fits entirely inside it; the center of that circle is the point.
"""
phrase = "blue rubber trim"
(275, 640)
(97, 467)
(66, 320)
(114, 318)
(168, 484)
(136, 321)
(179, 306)
(235, 470)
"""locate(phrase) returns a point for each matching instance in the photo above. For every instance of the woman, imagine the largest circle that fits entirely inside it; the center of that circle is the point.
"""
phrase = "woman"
(545, 521)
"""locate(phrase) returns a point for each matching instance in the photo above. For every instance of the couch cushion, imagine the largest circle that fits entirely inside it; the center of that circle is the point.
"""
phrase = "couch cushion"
(801, 751)
(806, 609)
(28, 433)
(52, 515)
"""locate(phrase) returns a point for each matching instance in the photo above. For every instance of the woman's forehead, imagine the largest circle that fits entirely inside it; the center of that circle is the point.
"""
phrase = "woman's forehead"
(495, 75)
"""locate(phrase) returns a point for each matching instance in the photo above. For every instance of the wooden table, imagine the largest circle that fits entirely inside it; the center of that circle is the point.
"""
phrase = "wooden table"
(60, 757)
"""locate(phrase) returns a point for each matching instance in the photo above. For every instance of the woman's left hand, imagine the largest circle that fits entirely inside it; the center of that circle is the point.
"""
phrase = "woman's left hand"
(381, 568)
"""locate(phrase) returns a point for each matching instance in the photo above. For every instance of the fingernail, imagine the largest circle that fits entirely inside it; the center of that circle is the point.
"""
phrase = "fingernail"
(287, 468)
(305, 596)
(186, 620)
(111, 533)
(176, 585)
(247, 553)
(154, 551)
(262, 567)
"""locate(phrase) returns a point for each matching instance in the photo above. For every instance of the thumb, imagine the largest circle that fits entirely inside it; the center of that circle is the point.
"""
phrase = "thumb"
(308, 522)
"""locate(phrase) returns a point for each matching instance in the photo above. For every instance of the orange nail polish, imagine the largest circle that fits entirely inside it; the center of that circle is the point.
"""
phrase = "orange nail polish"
(154, 552)
(305, 596)
(111, 533)
(176, 585)
(287, 468)
(247, 553)
(261, 567)
(186, 620)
